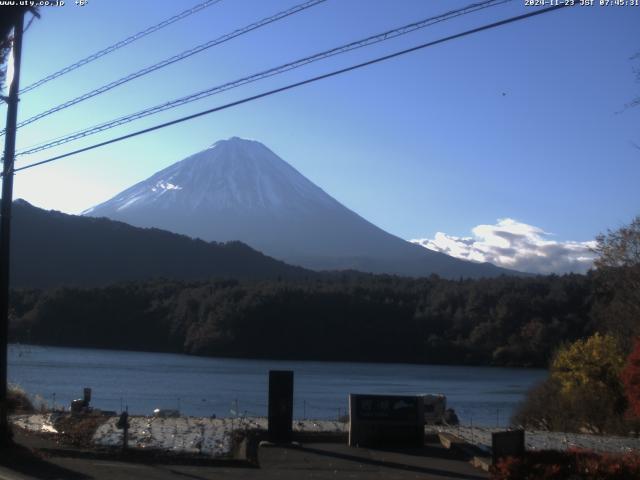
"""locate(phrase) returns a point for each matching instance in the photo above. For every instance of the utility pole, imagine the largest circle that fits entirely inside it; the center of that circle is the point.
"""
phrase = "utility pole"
(5, 224)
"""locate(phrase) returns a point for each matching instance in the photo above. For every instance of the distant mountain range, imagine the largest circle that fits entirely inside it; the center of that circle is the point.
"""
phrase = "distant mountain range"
(51, 248)
(240, 190)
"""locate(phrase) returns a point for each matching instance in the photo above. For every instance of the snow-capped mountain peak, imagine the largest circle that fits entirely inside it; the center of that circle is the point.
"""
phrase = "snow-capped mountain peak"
(232, 173)
(239, 189)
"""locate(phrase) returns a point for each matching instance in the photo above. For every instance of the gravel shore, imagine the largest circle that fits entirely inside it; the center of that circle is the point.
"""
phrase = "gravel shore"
(542, 440)
(195, 435)
(212, 436)
(209, 436)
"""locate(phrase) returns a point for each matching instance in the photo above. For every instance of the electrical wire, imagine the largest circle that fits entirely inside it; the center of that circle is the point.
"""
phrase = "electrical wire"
(120, 44)
(301, 83)
(176, 58)
(405, 29)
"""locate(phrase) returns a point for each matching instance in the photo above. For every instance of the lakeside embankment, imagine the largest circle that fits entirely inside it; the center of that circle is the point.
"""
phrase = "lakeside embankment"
(191, 435)
(213, 436)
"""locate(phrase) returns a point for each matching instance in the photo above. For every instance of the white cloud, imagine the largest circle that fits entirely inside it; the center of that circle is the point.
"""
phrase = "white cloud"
(515, 245)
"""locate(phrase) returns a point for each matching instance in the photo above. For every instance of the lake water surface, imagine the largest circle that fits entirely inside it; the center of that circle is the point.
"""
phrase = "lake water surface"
(200, 386)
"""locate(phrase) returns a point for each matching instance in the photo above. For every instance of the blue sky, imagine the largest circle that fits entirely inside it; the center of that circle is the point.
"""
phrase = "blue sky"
(518, 122)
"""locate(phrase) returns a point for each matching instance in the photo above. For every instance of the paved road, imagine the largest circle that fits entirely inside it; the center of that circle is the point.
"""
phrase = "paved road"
(309, 461)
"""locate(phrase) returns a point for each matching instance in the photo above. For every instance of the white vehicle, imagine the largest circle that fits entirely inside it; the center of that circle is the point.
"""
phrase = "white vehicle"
(165, 413)
(435, 405)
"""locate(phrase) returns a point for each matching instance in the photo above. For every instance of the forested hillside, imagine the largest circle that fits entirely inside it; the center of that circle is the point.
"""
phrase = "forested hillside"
(502, 321)
(50, 248)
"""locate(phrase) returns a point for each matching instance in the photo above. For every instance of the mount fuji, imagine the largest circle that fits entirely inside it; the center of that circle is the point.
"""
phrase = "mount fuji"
(239, 189)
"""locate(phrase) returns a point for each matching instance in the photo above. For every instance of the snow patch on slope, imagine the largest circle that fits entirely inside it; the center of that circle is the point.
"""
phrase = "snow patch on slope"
(164, 186)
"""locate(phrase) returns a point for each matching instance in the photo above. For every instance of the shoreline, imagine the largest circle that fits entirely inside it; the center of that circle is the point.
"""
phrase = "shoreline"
(214, 437)
(281, 359)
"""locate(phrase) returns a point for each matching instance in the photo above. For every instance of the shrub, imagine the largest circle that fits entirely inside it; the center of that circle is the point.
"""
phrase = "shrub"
(588, 372)
(543, 409)
(576, 464)
(631, 379)
(591, 365)
(583, 393)
(18, 401)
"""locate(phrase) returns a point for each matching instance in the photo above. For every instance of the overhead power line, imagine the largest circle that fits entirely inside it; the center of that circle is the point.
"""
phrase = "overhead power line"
(120, 44)
(176, 58)
(405, 29)
(299, 84)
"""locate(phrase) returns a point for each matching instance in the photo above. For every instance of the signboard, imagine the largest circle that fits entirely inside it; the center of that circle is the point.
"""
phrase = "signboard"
(386, 420)
(386, 408)
(280, 405)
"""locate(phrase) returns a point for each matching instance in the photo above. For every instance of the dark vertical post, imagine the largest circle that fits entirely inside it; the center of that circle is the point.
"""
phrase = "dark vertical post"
(123, 423)
(280, 406)
(125, 437)
(86, 397)
(510, 443)
(5, 223)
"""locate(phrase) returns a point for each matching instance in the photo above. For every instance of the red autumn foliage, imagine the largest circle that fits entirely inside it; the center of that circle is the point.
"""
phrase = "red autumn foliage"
(630, 377)
(575, 464)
